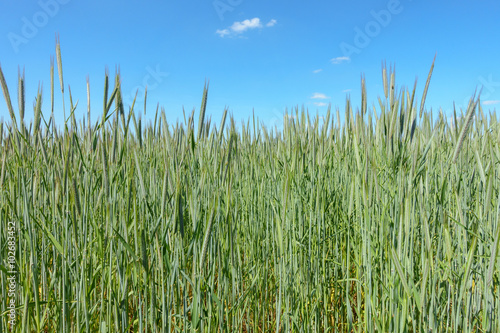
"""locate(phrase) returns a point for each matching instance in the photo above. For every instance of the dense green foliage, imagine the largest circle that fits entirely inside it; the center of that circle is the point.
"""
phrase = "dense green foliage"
(383, 220)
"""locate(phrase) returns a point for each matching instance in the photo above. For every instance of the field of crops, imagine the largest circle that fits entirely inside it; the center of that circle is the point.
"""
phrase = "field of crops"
(370, 219)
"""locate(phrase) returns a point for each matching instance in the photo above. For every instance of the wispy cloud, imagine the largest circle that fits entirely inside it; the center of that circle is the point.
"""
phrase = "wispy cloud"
(491, 102)
(316, 71)
(319, 96)
(346, 90)
(339, 60)
(240, 27)
(320, 104)
(271, 23)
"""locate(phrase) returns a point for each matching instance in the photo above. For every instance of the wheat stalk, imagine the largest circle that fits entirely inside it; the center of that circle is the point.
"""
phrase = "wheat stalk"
(20, 95)
(60, 72)
(6, 95)
(463, 133)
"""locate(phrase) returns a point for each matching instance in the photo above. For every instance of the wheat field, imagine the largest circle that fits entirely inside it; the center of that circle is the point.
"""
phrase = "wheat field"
(380, 218)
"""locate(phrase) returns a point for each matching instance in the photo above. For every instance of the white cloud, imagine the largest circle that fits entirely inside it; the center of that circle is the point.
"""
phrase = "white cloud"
(271, 23)
(240, 27)
(223, 32)
(319, 96)
(320, 104)
(493, 102)
(346, 90)
(339, 60)
(316, 71)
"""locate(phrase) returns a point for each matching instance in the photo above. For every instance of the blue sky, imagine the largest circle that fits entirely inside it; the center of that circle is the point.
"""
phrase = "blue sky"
(266, 56)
